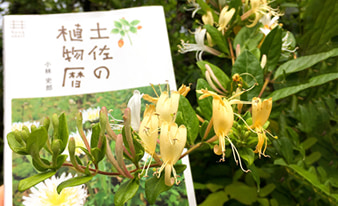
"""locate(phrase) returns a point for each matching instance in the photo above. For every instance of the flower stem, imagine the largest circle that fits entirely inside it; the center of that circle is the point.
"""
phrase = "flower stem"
(267, 80)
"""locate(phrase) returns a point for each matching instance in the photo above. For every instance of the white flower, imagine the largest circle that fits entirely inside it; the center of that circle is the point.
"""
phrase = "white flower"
(78, 143)
(45, 194)
(199, 47)
(134, 105)
(268, 23)
(91, 114)
(193, 7)
(286, 45)
(18, 125)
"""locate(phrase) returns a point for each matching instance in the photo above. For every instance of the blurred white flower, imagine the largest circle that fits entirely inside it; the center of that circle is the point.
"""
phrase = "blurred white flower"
(134, 105)
(199, 47)
(91, 114)
(19, 125)
(286, 45)
(45, 194)
(268, 23)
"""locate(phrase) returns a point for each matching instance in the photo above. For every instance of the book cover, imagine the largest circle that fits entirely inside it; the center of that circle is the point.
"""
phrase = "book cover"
(66, 63)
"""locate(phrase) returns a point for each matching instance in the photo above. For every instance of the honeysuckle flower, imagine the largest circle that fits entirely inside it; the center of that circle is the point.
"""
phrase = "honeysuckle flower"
(268, 23)
(224, 18)
(286, 44)
(223, 119)
(78, 143)
(208, 19)
(149, 129)
(259, 8)
(193, 7)
(134, 104)
(91, 114)
(260, 114)
(45, 194)
(199, 47)
(172, 142)
(167, 107)
(18, 125)
(167, 103)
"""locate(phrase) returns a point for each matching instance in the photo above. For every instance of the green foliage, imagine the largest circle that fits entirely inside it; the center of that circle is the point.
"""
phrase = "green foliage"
(33, 180)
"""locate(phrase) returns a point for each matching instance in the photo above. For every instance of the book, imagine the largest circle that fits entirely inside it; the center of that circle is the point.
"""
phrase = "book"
(81, 62)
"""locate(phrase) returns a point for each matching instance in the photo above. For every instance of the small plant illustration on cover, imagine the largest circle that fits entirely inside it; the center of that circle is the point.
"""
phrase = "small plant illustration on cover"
(124, 28)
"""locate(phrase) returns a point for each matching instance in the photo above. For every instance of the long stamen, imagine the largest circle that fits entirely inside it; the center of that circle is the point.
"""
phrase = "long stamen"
(155, 90)
(239, 157)
(245, 123)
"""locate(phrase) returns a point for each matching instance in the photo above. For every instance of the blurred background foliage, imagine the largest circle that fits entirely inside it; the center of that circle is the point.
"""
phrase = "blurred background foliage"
(303, 166)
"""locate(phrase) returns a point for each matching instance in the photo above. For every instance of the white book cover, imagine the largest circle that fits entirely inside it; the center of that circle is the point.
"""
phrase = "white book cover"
(82, 62)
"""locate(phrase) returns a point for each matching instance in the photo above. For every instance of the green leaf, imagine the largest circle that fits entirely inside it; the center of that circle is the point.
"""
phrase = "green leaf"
(272, 47)
(118, 24)
(248, 38)
(313, 179)
(237, 189)
(217, 38)
(36, 161)
(255, 175)
(37, 140)
(124, 22)
(16, 146)
(134, 22)
(126, 191)
(312, 158)
(215, 199)
(180, 168)
(205, 104)
(76, 181)
(245, 64)
(115, 31)
(60, 160)
(309, 142)
(122, 33)
(33, 180)
(133, 29)
(94, 139)
(154, 187)
(320, 26)
(265, 191)
(186, 115)
(247, 154)
(303, 62)
(314, 81)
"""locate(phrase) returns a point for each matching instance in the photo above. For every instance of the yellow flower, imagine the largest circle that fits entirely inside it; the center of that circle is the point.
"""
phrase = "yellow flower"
(149, 129)
(172, 142)
(208, 19)
(167, 106)
(223, 119)
(224, 18)
(259, 8)
(260, 111)
(260, 114)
